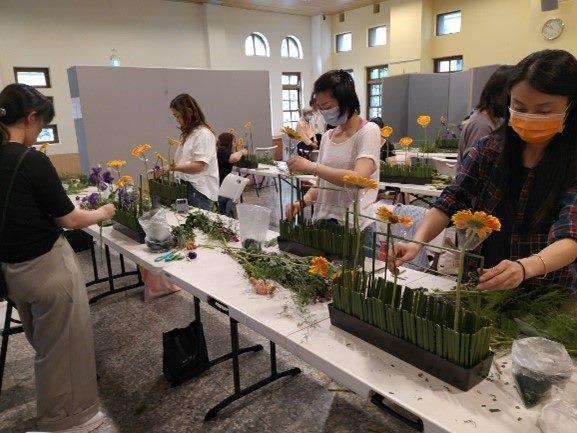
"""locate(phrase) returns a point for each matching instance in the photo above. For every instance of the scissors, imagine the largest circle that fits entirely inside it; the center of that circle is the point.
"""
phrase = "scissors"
(171, 255)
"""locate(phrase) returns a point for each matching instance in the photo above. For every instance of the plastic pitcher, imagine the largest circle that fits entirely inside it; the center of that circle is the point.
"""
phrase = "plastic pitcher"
(253, 222)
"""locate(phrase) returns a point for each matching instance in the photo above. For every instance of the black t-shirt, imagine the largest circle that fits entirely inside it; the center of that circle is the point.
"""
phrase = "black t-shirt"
(37, 198)
(224, 167)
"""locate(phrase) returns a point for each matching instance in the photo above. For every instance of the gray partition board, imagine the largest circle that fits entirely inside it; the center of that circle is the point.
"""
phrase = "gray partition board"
(395, 103)
(479, 77)
(459, 88)
(124, 107)
(428, 94)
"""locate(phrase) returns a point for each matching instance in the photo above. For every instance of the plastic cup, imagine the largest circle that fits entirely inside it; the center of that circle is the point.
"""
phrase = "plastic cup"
(253, 222)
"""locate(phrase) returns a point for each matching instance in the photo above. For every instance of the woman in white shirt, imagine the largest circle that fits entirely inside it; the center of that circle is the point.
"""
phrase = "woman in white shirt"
(196, 164)
(352, 148)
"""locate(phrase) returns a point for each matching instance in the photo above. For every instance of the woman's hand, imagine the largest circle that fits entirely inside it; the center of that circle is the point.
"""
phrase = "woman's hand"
(107, 211)
(404, 252)
(301, 165)
(506, 275)
(292, 209)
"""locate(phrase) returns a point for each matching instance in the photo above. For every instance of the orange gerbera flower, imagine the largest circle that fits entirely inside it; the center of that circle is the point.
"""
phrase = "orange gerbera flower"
(231, 131)
(248, 125)
(140, 150)
(423, 120)
(360, 181)
(124, 180)
(386, 131)
(291, 133)
(387, 216)
(240, 142)
(116, 163)
(405, 142)
(42, 148)
(319, 266)
(173, 141)
(478, 223)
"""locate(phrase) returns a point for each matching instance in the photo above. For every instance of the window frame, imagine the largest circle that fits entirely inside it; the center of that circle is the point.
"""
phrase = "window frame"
(371, 82)
(54, 128)
(337, 42)
(44, 70)
(369, 36)
(438, 61)
(438, 22)
(253, 36)
(298, 45)
(298, 88)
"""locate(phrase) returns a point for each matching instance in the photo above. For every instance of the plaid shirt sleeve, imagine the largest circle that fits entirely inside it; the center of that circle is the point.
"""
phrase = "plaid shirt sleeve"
(462, 193)
(566, 224)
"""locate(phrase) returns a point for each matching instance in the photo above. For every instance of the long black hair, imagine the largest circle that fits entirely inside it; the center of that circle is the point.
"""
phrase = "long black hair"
(494, 95)
(553, 72)
(17, 101)
(342, 87)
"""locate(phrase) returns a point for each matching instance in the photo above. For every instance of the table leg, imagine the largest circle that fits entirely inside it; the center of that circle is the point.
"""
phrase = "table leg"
(238, 391)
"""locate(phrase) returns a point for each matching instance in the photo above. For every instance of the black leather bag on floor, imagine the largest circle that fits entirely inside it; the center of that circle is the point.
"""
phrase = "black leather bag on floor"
(184, 353)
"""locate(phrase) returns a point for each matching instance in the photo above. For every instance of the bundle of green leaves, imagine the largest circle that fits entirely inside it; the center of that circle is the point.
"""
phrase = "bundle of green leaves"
(215, 229)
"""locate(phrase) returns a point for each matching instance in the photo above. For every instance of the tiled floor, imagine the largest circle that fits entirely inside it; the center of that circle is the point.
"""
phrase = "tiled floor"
(136, 398)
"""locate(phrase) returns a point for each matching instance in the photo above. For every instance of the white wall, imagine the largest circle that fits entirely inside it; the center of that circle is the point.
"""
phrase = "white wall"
(146, 33)
(62, 33)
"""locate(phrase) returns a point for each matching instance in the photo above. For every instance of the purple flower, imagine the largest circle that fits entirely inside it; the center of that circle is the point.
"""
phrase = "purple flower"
(77, 198)
(107, 177)
(91, 201)
(102, 186)
(125, 198)
(95, 177)
(192, 255)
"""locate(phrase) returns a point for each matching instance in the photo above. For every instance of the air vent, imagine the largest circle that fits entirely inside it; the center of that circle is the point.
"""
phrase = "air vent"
(376, 8)
(342, 17)
(549, 5)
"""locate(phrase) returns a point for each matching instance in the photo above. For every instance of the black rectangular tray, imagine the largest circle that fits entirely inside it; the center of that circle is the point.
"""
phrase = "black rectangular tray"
(137, 236)
(460, 377)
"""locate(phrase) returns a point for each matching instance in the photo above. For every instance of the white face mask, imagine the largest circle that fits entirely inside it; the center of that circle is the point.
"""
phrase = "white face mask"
(332, 116)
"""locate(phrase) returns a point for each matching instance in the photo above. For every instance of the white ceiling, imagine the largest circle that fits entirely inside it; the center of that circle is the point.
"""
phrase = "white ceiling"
(296, 7)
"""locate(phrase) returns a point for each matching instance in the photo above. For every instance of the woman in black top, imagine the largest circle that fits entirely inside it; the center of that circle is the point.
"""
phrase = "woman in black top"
(388, 148)
(41, 271)
(225, 155)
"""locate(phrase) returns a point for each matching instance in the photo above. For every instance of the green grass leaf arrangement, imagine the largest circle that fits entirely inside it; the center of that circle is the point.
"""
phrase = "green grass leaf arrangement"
(166, 191)
(253, 160)
(398, 171)
(415, 316)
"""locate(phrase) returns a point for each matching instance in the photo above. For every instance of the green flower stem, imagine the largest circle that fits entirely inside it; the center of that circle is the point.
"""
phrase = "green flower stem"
(462, 254)
(357, 229)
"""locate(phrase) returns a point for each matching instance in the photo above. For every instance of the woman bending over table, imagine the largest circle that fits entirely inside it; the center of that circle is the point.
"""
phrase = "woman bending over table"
(525, 174)
(196, 161)
(352, 148)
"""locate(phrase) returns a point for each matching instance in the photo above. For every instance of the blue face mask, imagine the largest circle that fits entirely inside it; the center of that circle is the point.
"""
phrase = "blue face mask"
(308, 117)
(332, 116)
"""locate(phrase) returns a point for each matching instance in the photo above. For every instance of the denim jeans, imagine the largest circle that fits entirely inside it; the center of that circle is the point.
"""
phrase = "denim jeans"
(197, 199)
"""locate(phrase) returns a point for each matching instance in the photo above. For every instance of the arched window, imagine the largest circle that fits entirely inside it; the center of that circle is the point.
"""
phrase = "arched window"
(291, 47)
(256, 45)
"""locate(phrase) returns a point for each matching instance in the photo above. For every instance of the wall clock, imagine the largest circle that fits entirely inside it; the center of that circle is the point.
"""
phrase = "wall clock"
(552, 28)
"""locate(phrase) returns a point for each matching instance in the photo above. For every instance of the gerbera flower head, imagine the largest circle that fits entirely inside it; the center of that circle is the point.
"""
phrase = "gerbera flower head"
(423, 120)
(124, 180)
(291, 133)
(387, 216)
(140, 150)
(231, 131)
(360, 181)
(405, 142)
(173, 141)
(478, 223)
(115, 163)
(386, 131)
(319, 266)
(248, 125)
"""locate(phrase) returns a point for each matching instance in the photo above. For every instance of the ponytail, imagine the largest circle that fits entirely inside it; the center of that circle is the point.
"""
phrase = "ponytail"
(17, 101)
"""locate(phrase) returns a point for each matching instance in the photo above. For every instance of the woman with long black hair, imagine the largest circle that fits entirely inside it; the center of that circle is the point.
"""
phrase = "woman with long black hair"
(41, 271)
(525, 173)
(195, 159)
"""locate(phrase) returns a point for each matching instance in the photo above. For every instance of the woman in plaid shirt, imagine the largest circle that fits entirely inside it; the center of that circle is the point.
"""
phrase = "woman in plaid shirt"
(525, 174)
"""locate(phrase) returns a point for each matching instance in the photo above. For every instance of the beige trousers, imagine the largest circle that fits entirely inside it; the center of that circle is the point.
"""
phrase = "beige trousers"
(51, 298)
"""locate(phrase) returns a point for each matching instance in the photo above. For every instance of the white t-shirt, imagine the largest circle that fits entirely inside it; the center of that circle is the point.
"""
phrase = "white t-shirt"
(365, 143)
(200, 146)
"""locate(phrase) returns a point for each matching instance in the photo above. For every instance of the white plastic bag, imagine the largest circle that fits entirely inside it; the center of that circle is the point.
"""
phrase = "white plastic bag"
(538, 364)
(158, 231)
(559, 416)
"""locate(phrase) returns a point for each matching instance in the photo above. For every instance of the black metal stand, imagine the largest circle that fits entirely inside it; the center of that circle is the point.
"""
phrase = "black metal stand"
(7, 330)
(111, 277)
(238, 391)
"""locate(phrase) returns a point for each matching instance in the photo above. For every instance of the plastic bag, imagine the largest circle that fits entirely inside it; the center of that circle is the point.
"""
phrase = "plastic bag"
(559, 416)
(158, 231)
(156, 285)
(538, 364)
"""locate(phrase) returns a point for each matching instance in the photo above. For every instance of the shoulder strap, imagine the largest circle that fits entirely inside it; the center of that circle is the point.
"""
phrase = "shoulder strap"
(9, 190)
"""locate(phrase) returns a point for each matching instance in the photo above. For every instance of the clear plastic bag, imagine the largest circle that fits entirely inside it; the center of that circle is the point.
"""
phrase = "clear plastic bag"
(158, 231)
(559, 416)
(538, 364)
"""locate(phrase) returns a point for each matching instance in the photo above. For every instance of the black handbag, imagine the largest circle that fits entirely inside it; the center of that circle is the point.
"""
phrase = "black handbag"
(184, 353)
(3, 284)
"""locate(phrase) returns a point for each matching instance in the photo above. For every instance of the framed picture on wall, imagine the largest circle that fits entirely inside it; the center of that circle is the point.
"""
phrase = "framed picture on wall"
(35, 77)
(49, 135)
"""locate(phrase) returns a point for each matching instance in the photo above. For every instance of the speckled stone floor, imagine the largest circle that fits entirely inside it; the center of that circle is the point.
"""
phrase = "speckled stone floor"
(136, 398)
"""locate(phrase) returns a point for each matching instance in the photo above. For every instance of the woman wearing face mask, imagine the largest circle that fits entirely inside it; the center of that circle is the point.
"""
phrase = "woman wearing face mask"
(196, 160)
(306, 129)
(525, 174)
(41, 271)
(352, 148)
